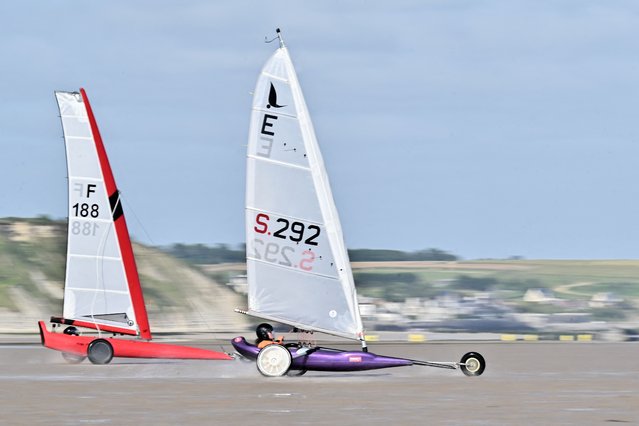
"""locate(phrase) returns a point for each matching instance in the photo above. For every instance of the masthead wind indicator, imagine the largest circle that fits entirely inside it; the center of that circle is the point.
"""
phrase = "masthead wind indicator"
(278, 37)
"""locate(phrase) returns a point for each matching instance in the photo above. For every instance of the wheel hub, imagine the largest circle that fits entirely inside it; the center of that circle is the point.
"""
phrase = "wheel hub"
(472, 364)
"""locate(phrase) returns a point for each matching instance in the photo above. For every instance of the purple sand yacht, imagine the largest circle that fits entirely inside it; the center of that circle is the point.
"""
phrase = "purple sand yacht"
(298, 270)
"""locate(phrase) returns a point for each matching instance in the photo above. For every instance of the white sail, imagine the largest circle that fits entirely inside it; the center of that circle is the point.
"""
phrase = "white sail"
(96, 287)
(297, 264)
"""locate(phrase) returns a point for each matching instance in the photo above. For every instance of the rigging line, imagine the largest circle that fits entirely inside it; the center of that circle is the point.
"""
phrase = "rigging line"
(208, 325)
(130, 208)
(194, 308)
(198, 312)
(201, 315)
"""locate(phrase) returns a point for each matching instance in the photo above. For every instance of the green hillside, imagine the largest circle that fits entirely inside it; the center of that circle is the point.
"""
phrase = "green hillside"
(32, 267)
(570, 279)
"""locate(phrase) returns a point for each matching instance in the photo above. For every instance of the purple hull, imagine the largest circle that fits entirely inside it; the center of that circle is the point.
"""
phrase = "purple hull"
(325, 359)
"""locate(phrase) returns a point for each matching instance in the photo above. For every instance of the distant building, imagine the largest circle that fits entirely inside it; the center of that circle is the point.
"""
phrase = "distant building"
(239, 284)
(539, 295)
(367, 306)
(5, 227)
(604, 300)
(23, 231)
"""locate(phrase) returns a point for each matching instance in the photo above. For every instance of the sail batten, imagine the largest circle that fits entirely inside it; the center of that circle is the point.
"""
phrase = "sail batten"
(84, 138)
(281, 114)
(279, 163)
(274, 77)
(330, 277)
(255, 209)
(298, 270)
(103, 290)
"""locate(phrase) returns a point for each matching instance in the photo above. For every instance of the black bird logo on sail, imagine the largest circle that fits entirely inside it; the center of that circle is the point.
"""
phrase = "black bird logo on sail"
(272, 98)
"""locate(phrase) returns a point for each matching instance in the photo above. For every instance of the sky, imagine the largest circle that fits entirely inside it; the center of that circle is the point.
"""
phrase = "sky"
(488, 129)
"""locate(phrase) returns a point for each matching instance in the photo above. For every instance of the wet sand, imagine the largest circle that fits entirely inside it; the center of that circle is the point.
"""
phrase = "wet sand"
(537, 383)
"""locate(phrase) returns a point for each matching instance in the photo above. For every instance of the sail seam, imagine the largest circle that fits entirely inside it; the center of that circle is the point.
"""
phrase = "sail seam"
(280, 114)
(291, 269)
(89, 179)
(255, 209)
(281, 163)
(92, 220)
(84, 138)
(86, 178)
(276, 77)
(101, 290)
(94, 256)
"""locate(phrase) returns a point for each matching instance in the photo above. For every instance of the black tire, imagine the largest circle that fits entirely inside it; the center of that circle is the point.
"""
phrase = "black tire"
(73, 358)
(273, 360)
(100, 351)
(472, 364)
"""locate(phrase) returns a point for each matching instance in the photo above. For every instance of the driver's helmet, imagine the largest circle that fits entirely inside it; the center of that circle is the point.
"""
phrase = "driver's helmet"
(263, 331)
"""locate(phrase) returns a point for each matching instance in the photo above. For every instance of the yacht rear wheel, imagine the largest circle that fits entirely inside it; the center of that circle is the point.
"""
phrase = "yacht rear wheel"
(100, 351)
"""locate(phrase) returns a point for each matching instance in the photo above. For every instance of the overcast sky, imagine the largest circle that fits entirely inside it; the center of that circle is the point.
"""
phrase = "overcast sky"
(484, 128)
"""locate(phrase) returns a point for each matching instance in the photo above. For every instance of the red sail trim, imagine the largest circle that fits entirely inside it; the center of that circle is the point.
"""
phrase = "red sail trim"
(93, 325)
(122, 232)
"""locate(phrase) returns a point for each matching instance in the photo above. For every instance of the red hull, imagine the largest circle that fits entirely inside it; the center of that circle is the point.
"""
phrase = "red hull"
(77, 345)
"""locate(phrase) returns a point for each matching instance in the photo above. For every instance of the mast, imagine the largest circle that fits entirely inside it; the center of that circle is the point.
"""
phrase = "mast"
(126, 249)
